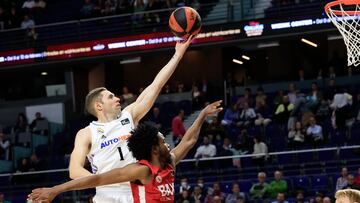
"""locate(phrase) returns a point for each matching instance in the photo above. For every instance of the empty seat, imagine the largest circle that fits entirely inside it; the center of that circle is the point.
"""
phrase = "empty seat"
(301, 182)
(319, 182)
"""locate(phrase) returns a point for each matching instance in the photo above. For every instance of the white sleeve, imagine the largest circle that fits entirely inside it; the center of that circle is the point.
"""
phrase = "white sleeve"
(5, 145)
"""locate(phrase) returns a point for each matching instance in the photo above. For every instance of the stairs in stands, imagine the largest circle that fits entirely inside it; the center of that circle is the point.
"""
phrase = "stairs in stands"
(188, 121)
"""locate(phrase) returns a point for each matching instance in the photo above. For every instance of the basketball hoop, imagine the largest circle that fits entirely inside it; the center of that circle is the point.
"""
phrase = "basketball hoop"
(345, 15)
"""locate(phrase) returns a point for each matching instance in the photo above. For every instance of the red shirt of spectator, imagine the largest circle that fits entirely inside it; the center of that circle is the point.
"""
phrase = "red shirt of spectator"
(357, 178)
(177, 125)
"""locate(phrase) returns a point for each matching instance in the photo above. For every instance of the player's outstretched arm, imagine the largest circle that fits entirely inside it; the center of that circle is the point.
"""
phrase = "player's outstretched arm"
(78, 155)
(131, 172)
(146, 99)
(192, 134)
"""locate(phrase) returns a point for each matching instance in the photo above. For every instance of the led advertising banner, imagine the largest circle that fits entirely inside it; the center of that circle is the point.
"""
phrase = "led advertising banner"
(153, 41)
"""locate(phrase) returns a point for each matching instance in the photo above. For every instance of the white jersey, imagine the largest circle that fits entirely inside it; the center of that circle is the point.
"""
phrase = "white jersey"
(109, 150)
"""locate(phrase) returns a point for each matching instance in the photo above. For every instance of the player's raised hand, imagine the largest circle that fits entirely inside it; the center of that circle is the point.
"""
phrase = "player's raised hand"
(212, 108)
(181, 45)
(42, 195)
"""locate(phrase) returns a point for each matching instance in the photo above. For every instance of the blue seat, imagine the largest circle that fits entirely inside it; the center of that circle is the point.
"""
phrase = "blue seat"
(226, 187)
(346, 154)
(326, 155)
(319, 182)
(301, 182)
(245, 185)
(305, 157)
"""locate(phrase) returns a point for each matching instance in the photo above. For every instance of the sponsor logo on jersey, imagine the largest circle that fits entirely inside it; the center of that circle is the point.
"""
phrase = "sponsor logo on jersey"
(166, 189)
(100, 131)
(158, 179)
(125, 121)
(172, 173)
(114, 141)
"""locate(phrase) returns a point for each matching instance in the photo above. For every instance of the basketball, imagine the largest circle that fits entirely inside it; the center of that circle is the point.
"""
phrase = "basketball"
(185, 21)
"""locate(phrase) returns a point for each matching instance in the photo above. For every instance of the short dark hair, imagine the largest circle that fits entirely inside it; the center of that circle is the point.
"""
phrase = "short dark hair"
(91, 97)
(141, 141)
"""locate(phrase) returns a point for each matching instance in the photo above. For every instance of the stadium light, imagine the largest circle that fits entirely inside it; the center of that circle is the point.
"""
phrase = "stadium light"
(131, 60)
(44, 73)
(237, 61)
(268, 44)
(245, 57)
(309, 42)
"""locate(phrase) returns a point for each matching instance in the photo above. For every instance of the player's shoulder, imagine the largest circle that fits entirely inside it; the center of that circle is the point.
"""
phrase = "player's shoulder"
(84, 133)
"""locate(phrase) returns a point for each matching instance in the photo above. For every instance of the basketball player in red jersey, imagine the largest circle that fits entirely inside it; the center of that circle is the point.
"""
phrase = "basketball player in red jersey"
(154, 172)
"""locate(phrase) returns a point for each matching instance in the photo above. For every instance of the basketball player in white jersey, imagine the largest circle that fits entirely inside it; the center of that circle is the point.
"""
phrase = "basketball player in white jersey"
(103, 142)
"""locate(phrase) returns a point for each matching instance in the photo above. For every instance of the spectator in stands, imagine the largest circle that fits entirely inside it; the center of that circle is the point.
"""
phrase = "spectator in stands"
(39, 124)
(40, 4)
(184, 185)
(300, 197)
(184, 197)
(323, 111)
(280, 198)
(263, 114)
(301, 75)
(350, 183)
(260, 152)
(278, 185)
(341, 106)
(243, 140)
(197, 194)
(23, 165)
(4, 147)
(357, 178)
(331, 90)
(318, 197)
(155, 118)
(35, 164)
(153, 16)
(177, 126)
(2, 198)
(139, 6)
(320, 74)
(258, 190)
(167, 89)
(213, 192)
(205, 151)
(200, 183)
(123, 6)
(279, 97)
(332, 74)
(342, 181)
(14, 19)
(108, 7)
(226, 149)
(127, 97)
(247, 97)
(215, 127)
(314, 132)
(204, 88)
(292, 94)
(231, 198)
(21, 124)
(260, 96)
(326, 200)
(314, 96)
(283, 110)
(297, 135)
(27, 23)
(28, 5)
(180, 88)
(197, 98)
(231, 115)
(247, 116)
(87, 9)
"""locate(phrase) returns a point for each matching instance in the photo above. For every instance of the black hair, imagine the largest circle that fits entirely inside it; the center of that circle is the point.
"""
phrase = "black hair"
(141, 141)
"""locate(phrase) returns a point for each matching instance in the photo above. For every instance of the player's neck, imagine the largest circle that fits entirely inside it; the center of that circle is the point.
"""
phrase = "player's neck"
(105, 118)
(158, 163)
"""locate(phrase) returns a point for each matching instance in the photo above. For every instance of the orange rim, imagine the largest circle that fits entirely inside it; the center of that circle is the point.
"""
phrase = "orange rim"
(345, 2)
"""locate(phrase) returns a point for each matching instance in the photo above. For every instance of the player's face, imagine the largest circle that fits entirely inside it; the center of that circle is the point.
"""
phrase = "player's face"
(111, 103)
(164, 149)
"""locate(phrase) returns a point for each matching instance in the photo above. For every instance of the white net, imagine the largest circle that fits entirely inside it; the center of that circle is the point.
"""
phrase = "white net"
(346, 19)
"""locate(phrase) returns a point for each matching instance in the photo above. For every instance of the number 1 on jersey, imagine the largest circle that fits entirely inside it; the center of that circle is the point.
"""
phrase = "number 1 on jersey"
(121, 154)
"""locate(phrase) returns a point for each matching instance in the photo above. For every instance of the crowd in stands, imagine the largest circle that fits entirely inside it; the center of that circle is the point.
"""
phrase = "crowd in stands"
(111, 7)
(282, 8)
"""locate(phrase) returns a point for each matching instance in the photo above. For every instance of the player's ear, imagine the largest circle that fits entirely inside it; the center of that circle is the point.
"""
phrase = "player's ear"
(98, 106)
(155, 149)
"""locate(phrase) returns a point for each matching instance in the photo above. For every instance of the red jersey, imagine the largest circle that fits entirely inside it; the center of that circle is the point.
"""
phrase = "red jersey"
(161, 187)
